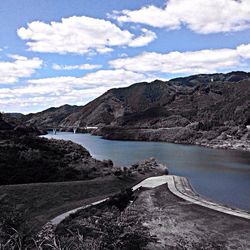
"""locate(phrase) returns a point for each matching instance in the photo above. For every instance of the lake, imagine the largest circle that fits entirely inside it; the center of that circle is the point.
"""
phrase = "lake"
(221, 175)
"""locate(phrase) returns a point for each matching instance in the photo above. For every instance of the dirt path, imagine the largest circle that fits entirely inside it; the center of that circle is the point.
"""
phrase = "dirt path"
(181, 219)
(179, 224)
(179, 186)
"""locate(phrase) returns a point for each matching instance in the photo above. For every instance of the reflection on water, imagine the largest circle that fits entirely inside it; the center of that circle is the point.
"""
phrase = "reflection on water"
(223, 175)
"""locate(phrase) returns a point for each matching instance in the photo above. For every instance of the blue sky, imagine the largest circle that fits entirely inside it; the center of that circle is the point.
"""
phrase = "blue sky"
(61, 51)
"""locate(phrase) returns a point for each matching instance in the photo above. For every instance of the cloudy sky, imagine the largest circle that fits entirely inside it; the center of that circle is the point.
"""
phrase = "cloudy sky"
(54, 52)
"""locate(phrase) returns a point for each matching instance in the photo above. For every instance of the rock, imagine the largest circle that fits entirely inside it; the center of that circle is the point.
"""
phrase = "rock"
(117, 171)
(194, 126)
(108, 163)
(223, 136)
(149, 165)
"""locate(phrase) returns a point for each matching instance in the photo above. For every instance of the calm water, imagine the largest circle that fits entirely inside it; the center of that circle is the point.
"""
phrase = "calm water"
(223, 175)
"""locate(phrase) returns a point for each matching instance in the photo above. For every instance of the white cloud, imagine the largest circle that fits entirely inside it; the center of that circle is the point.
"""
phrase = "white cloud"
(80, 35)
(55, 91)
(41, 93)
(201, 16)
(85, 66)
(11, 71)
(123, 55)
(190, 62)
(144, 39)
(109, 78)
(244, 50)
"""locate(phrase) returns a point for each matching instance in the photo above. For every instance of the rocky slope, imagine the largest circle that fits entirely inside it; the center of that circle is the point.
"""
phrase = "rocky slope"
(202, 109)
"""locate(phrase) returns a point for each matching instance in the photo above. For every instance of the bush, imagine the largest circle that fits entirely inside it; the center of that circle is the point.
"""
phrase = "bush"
(122, 199)
(15, 232)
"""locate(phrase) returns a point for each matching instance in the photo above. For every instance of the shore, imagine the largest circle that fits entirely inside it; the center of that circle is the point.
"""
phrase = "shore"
(240, 140)
(228, 144)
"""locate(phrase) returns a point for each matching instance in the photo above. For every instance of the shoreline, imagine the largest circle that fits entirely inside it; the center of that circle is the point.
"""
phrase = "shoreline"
(232, 145)
(178, 135)
(203, 188)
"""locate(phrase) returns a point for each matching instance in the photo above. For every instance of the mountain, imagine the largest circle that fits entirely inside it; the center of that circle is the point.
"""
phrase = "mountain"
(4, 125)
(51, 117)
(13, 119)
(204, 102)
(216, 98)
(14, 115)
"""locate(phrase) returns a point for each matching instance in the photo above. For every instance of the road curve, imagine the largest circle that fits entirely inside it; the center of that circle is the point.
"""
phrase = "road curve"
(179, 186)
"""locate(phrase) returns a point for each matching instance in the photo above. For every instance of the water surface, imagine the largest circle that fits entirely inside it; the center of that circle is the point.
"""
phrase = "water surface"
(222, 175)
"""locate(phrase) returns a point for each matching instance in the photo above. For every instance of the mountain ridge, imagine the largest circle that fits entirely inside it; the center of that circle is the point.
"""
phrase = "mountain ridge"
(139, 97)
(206, 102)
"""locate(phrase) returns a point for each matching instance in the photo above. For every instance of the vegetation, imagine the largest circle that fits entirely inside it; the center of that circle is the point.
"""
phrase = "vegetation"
(26, 161)
(44, 201)
(107, 226)
(30, 159)
(211, 99)
(26, 158)
(112, 225)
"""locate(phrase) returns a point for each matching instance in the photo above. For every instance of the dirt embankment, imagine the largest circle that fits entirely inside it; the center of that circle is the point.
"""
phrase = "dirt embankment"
(156, 219)
(179, 224)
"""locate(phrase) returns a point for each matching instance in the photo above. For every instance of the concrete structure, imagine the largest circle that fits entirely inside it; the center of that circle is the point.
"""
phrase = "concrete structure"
(58, 219)
(179, 186)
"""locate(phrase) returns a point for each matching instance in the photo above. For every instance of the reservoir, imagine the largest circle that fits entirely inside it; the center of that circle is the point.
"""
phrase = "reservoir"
(220, 175)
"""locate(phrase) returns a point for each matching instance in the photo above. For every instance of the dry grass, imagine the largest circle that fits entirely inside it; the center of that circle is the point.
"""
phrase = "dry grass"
(113, 225)
(24, 208)
(44, 201)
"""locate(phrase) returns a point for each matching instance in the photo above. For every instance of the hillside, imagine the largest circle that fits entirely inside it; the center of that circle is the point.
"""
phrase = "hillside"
(27, 158)
(217, 98)
(215, 105)
(50, 117)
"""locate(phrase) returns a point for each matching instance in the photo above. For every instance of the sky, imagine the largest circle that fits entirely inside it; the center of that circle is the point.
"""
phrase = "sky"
(55, 52)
